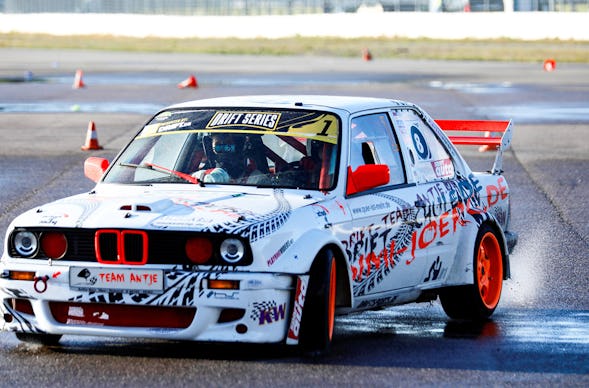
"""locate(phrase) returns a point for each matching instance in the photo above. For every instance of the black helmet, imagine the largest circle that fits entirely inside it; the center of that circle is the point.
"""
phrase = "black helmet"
(228, 152)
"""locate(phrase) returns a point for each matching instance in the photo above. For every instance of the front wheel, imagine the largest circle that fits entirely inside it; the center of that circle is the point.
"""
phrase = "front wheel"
(479, 300)
(318, 318)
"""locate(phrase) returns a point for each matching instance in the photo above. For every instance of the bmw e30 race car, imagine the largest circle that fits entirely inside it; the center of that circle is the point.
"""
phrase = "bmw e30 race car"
(258, 219)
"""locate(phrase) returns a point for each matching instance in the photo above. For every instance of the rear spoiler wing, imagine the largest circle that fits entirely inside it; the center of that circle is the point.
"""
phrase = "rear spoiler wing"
(495, 135)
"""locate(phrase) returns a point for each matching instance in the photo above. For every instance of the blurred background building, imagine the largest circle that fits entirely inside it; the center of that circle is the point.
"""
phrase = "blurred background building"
(284, 7)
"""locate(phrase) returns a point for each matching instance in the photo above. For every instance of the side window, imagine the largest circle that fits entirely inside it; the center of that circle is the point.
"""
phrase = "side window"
(373, 142)
(429, 159)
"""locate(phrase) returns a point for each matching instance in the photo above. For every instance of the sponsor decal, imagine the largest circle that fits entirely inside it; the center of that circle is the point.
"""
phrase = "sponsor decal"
(268, 312)
(277, 255)
(322, 212)
(382, 206)
(233, 295)
(420, 144)
(435, 271)
(443, 168)
(371, 303)
(297, 313)
(254, 283)
(263, 120)
(123, 279)
(494, 193)
(51, 219)
(174, 125)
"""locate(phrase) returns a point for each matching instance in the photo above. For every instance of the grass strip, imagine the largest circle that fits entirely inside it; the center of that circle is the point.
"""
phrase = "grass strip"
(475, 50)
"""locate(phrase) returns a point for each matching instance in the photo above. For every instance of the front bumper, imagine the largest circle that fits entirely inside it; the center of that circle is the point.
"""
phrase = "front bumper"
(188, 308)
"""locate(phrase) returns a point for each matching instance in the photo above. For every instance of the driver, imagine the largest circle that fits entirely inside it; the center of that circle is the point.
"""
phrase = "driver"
(231, 165)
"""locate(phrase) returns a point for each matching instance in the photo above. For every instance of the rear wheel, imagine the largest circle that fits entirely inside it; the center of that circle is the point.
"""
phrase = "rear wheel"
(39, 339)
(479, 300)
(318, 318)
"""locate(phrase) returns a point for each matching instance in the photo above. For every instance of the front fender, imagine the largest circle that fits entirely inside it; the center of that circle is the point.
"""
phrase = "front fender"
(299, 256)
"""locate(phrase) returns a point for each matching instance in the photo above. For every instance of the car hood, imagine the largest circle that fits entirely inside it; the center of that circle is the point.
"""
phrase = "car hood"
(230, 209)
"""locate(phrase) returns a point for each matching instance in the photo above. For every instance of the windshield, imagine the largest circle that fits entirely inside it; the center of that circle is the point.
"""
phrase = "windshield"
(255, 147)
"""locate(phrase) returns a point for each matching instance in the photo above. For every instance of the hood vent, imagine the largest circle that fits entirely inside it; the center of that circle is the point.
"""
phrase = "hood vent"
(137, 208)
(159, 206)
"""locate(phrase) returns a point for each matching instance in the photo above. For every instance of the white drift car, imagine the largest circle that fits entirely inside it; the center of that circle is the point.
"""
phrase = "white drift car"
(257, 219)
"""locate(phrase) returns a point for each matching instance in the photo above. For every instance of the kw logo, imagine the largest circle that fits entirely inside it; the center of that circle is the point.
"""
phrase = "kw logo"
(274, 314)
(268, 312)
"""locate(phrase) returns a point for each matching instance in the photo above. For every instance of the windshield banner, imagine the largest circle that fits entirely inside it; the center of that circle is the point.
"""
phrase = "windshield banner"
(319, 126)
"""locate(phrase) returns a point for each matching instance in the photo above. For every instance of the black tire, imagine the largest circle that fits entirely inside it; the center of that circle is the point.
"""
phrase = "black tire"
(477, 301)
(318, 317)
(39, 339)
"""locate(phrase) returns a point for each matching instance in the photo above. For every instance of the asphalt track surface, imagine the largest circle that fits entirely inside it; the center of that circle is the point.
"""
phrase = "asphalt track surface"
(539, 334)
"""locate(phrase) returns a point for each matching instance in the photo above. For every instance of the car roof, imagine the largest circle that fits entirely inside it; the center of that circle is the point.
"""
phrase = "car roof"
(347, 103)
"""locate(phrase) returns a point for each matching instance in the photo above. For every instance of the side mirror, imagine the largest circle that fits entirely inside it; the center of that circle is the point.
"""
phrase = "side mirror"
(367, 176)
(94, 168)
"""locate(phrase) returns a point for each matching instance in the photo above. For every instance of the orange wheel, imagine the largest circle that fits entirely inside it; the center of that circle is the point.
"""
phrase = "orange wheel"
(478, 301)
(331, 300)
(489, 273)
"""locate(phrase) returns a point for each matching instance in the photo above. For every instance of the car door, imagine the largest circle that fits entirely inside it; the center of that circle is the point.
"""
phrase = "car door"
(437, 198)
(381, 245)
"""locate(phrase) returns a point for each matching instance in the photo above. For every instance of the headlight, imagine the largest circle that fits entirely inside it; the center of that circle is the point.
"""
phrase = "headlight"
(26, 243)
(232, 250)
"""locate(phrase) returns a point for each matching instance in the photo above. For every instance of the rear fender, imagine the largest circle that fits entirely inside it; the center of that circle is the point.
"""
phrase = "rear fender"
(462, 271)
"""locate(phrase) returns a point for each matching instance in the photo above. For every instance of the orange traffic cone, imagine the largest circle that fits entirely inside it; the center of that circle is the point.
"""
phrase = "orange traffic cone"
(78, 82)
(366, 55)
(91, 138)
(190, 82)
(549, 65)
